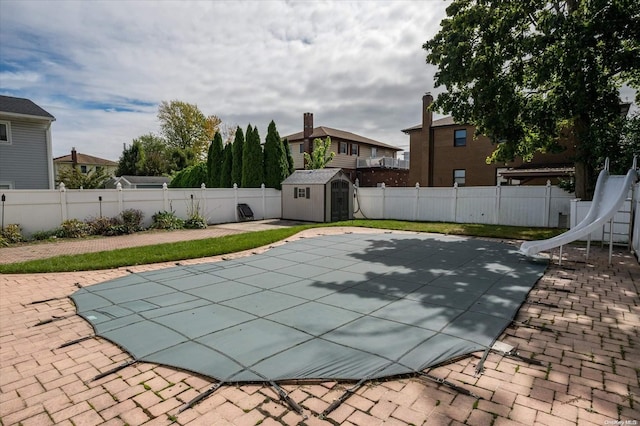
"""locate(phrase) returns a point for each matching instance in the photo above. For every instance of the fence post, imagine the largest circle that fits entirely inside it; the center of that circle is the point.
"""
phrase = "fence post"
(415, 207)
(547, 204)
(264, 202)
(203, 197)
(573, 213)
(235, 200)
(384, 200)
(454, 203)
(63, 202)
(165, 197)
(120, 200)
(496, 214)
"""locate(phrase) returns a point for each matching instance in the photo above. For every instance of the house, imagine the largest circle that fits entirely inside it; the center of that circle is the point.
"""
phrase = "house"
(25, 145)
(444, 152)
(138, 182)
(85, 163)
(369, 161)
(321, 195)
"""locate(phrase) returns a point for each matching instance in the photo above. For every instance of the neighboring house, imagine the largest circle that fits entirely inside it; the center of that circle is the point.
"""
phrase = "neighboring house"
(138, 182)
(444, 152)
(85, 163)
(25, 145)
(355, 154)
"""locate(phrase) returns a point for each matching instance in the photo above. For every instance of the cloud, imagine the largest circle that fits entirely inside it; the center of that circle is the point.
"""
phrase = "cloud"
(103, 67)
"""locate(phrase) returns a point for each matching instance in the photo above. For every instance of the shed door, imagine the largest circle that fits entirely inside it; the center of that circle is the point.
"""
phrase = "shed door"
(339, 200)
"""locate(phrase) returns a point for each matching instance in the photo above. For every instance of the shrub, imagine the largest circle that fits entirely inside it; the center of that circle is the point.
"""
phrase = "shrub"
(195, 222)
(3, 241)
(45, 235)
(131, 220)
(101, 225)
(166, 220)
(74, 228)
(11, 234)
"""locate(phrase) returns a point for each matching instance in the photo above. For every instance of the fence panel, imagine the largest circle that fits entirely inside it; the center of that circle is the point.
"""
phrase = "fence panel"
(41, 209)
(435, 205)
(475, 205)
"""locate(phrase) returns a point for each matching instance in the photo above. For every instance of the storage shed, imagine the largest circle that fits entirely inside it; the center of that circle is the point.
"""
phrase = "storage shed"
(322, 195)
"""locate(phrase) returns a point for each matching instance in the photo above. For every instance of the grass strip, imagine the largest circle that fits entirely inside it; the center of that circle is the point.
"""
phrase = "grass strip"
(171, 252)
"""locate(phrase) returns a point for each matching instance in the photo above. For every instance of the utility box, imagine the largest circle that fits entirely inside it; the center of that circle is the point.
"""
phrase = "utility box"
(322, 195)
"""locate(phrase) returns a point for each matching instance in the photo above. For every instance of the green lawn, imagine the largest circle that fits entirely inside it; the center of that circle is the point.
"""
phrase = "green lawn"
(171, 252)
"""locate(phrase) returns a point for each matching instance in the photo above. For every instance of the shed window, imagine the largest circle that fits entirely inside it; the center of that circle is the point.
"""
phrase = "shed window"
(5, 132)
(460, 137)
(301, 192)
(344, 148)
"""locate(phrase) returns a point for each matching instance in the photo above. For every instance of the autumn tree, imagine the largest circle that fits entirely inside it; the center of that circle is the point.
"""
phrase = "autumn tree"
(320, 156)
(523, 72)
(214, 161)
(186, 128)
(252, 166)
(276, 167)
(238, 147)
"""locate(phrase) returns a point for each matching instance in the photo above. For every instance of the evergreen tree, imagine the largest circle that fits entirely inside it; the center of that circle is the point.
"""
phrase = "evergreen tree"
(130, 160)
(227, 165)
(252, 168)
(287, 149)
(276, 166)
(214, 162)
(236, 169)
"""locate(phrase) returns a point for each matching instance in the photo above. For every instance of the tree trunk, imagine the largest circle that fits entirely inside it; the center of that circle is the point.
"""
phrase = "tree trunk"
(582, 181)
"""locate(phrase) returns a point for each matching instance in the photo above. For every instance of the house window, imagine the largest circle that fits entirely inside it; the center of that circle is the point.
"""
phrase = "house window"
(354, 149)
(5, 132)
(83, 169)
(344, 147)
(374, 152)
(459, 176)
(301, 148)
(460, 137)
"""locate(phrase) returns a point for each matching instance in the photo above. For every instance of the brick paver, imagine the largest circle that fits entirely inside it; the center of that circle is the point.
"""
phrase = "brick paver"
(590, 348)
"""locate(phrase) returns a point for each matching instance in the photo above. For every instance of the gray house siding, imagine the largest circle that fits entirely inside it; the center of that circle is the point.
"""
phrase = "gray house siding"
(25, 162)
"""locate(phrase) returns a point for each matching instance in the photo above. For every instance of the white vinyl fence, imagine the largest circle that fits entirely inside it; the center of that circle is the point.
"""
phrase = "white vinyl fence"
(536, 206)
(40, 210)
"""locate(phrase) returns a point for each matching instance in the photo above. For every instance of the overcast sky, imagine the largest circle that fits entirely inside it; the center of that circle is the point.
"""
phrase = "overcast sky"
(102, 68)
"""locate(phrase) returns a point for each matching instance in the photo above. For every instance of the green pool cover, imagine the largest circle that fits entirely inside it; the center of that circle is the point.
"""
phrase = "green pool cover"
(349, 306)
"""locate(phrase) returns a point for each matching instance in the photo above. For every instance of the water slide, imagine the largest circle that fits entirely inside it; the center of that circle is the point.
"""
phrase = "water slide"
(611, 192)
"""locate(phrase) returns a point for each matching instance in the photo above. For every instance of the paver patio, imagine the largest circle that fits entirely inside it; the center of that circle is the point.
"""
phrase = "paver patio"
(589, 314)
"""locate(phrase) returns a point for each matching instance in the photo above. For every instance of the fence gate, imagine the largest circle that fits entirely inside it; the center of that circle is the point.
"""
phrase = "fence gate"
(339, 200)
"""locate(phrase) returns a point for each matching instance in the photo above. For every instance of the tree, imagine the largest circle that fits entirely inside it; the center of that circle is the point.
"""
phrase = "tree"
(73, 178)
(155, 160)
(276, 167)
(190, 177)
(287, 149)
(227, 164)
(238, 147)
(526, 72)
(131, 160)
(185, 127)
(214, 162)
(252, 168)
(320, 156)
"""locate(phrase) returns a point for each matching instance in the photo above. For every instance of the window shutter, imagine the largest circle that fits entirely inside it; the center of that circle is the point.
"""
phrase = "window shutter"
(295, 192)
(308, 193)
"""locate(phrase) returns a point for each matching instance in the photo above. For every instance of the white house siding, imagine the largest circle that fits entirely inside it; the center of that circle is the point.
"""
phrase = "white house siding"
(25, 162)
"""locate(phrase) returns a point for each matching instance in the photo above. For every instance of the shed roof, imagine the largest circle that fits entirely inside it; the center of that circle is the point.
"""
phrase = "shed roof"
(137, 180)
(323, 132)
(21, 106)
(310, 177)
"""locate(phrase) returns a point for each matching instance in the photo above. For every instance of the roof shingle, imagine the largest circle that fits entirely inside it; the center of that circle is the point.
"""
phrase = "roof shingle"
(23, 106)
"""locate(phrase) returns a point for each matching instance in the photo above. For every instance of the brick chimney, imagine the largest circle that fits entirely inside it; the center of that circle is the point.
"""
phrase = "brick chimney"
(307, 131)
(427, 115)
(421, 147)
(74, 156)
